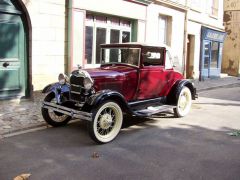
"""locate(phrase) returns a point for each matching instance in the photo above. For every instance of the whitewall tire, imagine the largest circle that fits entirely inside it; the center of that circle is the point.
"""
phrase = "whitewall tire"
(106, 122)
(184, 102)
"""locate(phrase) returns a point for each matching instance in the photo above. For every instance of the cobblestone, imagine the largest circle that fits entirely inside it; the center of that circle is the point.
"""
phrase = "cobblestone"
(19, 114)
(22, 114)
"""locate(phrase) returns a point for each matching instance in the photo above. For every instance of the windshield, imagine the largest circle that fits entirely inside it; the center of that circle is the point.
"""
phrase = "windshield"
(120, 55)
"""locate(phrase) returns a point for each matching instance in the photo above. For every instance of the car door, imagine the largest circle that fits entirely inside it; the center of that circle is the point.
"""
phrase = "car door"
(152, 73)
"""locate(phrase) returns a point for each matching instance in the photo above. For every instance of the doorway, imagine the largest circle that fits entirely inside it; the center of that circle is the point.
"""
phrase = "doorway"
(190, 57)
(14, 70)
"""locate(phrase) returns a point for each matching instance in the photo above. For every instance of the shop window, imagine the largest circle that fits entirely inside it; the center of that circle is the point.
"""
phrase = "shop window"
(104, 29)
(214, 54)
(206, 54)
(164, 29)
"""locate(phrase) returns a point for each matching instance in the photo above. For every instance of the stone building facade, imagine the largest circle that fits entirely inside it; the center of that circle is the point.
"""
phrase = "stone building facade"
(231, 54)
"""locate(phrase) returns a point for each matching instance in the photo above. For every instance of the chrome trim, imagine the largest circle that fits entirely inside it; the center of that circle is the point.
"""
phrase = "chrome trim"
(77, 85)
(74, 92)
(68, 111)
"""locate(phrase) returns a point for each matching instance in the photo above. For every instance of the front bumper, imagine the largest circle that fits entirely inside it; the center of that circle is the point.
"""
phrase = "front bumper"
(68, 111)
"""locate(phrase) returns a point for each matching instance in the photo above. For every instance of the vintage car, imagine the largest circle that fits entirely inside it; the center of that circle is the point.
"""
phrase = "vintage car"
(135, 79)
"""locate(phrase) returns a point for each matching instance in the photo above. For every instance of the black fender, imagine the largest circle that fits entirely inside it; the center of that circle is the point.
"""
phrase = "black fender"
(101, 96)
(175, 90)
(48, 88)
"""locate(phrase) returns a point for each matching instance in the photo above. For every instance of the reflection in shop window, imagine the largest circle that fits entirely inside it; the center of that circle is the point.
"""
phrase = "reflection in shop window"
(214, 53)
(101, 39)
(88, 44)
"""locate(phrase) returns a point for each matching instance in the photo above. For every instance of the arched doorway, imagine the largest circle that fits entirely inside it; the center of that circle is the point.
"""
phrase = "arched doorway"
(14, 50)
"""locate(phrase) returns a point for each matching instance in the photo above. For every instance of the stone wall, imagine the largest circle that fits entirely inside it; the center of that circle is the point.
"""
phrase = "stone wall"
(231, 54)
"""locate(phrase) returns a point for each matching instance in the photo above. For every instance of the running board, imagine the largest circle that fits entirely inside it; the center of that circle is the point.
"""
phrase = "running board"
(153, 110)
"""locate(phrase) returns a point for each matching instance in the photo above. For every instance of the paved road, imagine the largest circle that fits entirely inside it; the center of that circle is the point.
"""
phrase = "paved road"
(193, 147)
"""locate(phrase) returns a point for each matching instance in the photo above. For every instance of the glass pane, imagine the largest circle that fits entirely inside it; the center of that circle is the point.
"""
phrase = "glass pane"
(125, 36)
(153, 57)
(206, 55)
(206, 62)
(162, 29)
(88, 44)
(100, 39)
(214, 51)
(114, 38)
(128, 55)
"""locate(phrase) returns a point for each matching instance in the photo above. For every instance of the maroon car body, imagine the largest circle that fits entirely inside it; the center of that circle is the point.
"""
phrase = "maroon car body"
(134, 78)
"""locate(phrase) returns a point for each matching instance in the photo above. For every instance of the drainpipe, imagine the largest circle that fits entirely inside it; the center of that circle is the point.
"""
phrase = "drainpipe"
(185, 43)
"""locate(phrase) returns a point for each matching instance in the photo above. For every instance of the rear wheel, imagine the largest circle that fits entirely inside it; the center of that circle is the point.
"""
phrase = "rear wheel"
(51, 117)
(106, 123)
(184, 102)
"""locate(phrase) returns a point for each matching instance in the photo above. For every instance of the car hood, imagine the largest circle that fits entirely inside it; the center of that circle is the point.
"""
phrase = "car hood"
(115, 72)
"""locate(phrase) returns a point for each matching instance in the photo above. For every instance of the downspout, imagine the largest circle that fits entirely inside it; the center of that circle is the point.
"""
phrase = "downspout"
(69, 37)
(185, 41)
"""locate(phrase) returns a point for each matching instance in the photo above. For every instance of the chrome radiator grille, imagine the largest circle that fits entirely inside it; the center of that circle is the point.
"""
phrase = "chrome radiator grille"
(76, 87)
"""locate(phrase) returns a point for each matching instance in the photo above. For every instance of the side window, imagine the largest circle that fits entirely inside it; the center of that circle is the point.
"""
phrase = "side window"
(153, 57)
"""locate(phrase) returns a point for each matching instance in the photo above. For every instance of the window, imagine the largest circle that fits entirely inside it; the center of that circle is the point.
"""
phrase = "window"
(213, 7)
(196, 5)
(164, 29)
(121, 55)
(214, 53)
(153, 58)
(104, 29)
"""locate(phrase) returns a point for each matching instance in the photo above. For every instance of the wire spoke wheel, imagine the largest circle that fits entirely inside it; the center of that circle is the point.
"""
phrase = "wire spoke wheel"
(107, 122)
(52, 117)
(184, 103)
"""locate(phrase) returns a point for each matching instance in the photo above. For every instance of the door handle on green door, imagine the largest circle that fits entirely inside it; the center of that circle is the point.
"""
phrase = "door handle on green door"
(6, 64)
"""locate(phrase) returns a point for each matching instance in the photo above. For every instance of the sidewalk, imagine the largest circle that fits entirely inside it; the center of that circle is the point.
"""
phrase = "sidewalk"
(18, 115)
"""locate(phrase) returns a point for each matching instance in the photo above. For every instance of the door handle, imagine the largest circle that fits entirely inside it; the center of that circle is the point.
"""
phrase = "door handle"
(6, 64)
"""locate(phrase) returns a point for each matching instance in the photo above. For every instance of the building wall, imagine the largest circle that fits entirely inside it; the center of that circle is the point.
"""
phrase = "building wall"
(231, 55)
(49, 40)
(198, 16)
(176, 32)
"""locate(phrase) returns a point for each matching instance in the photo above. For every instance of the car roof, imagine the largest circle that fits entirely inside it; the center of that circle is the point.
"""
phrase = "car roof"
(134, 44)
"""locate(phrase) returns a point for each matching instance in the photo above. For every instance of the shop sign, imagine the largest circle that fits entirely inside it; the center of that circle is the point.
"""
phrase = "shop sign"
(212, 35)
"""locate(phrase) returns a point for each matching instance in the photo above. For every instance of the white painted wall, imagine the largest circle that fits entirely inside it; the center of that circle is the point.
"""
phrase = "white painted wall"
(48, 40)
(113, 7)
(177, 37)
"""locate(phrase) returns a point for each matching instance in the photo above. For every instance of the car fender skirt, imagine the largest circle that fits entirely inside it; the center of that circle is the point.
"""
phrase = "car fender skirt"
(105, 95)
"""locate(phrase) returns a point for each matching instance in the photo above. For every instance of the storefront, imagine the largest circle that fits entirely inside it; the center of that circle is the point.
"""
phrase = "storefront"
(211, 53)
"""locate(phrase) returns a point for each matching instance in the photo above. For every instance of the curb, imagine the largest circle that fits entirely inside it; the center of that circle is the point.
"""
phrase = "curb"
(216, 87)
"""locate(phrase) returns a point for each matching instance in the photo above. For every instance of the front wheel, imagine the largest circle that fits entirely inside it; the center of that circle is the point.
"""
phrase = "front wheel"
(184, 102)
(52, 117)
(106, 123)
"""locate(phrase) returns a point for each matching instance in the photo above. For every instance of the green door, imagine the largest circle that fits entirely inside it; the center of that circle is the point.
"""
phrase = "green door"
(13, 69)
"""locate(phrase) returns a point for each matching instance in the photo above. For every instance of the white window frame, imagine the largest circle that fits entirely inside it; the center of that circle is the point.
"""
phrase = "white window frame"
(108, 26)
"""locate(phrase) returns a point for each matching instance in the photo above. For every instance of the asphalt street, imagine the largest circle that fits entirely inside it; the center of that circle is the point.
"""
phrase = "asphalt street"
(162, 147)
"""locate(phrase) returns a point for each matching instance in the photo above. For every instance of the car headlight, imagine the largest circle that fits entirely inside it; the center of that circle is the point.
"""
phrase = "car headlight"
(88, 83)
(62, 78)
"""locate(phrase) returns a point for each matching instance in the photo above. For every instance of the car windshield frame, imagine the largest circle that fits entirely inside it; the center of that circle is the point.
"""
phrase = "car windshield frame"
(131, 56)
